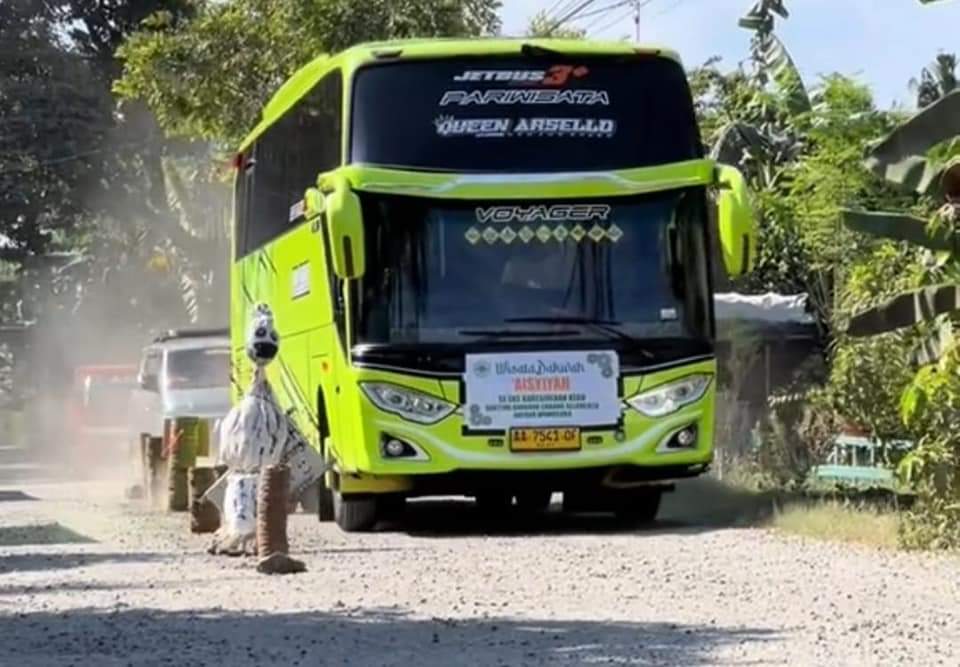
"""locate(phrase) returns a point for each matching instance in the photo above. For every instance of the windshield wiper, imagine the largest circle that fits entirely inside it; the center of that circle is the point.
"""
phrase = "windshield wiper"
(515, 333)
(609, 327)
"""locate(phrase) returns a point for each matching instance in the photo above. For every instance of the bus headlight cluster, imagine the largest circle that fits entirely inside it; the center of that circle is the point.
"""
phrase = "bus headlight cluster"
(672, 396)
(407, 403)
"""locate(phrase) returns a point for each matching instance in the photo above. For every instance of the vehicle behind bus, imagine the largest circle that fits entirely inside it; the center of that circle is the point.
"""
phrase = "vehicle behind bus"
(491, 266)
(182, 374)
(97, 411)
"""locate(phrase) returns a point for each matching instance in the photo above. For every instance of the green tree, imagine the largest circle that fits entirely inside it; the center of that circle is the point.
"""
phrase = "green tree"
(208, 78)
(544, 25)
(936, 80)
(138, 206)
(51, 124)
(801, 149)
(205, 73)
(922, 157)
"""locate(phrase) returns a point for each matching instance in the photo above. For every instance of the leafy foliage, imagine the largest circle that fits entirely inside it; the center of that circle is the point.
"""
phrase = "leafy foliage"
(205, 71)
(802, 150)
(930, 408)
(543, 25)
(920, 156)
(51, 126)
(208, 78)
(796, 435)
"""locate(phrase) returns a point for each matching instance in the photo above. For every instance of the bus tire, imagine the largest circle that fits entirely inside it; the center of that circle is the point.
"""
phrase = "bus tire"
(325, 508)
(325, 511)
(639, 508)
(354, 514)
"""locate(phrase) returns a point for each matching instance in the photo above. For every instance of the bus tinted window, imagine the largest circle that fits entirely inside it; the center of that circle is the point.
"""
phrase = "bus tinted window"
(286, 160)
(524, 114)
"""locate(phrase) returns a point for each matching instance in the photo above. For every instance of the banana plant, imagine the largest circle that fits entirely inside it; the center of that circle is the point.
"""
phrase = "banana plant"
(922, 155)
(763, 141)
(200, 205)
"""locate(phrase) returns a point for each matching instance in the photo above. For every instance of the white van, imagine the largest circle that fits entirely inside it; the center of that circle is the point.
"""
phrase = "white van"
(182, 374)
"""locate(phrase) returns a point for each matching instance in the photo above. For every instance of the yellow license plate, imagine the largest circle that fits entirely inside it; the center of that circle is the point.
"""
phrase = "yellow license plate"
(544, 439)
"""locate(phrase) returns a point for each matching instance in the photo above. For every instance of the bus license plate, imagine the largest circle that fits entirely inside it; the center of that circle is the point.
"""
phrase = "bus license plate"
(544, 439)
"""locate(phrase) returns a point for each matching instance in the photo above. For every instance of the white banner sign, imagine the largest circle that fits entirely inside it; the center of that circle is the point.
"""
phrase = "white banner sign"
(577, 388)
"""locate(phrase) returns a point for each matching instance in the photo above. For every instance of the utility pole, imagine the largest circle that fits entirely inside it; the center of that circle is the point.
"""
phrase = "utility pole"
(637, 4)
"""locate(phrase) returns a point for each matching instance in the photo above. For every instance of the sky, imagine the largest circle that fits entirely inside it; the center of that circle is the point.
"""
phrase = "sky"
(880, 42)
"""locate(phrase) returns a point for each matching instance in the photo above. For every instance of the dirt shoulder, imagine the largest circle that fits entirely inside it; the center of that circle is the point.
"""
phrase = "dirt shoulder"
(88, 579)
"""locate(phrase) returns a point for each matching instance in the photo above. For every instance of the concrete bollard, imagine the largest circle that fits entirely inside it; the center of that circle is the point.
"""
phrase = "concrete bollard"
(155, 471)
(273, 494)
(204, 516)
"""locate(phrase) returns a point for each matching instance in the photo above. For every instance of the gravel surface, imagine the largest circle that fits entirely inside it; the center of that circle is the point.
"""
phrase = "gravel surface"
(89, 579)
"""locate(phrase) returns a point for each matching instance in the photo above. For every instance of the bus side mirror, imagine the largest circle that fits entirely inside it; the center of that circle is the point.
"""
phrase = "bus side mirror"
(345, 226)
(736, 222)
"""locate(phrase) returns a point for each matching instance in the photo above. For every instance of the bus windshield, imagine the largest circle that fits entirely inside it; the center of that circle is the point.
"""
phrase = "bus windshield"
(521, 114)
(450, 272)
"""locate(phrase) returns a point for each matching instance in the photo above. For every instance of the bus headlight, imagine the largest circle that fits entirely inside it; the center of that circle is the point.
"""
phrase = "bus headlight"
(672, 396)
(408, 403)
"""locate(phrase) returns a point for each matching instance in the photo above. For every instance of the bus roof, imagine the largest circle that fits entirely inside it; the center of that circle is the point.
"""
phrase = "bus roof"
(303, 80)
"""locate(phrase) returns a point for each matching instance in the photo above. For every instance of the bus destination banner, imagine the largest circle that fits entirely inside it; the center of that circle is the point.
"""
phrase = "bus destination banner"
(572, 388)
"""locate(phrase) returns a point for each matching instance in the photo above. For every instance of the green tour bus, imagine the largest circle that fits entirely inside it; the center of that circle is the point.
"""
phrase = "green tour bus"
(490, 263)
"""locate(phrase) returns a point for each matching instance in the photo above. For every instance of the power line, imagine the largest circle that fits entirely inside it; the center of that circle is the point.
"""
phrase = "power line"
(558, 8)
(570, 15)
(667, 10)
(619, 19)
(635, 7)
(605, 10)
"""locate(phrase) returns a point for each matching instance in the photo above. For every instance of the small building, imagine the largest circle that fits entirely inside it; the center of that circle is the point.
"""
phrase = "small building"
(763, 339)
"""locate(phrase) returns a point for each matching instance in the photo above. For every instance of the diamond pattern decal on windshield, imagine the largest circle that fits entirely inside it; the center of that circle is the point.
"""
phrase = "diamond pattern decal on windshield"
(544, 233)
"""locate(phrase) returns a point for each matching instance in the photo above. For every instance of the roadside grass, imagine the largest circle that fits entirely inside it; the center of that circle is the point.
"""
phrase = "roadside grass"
(839, 522)
(853, 518)
(706, 501)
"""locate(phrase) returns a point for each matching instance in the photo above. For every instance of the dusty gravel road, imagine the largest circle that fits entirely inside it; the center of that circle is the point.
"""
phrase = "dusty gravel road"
(88, 580)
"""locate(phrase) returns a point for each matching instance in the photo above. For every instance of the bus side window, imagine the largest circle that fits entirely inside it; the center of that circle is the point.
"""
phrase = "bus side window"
(286, 160)
(242, 197)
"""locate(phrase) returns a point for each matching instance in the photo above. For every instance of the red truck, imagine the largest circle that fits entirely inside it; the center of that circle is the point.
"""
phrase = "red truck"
(98, 412)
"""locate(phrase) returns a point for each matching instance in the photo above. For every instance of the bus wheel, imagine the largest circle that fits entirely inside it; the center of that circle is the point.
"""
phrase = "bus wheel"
(639, 508)
(354, 514)
(324, 501)
(533, 502)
